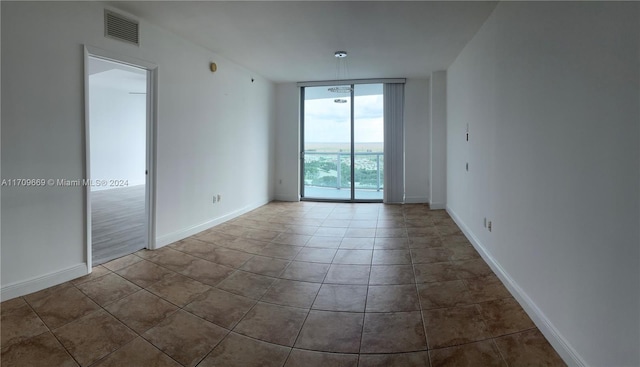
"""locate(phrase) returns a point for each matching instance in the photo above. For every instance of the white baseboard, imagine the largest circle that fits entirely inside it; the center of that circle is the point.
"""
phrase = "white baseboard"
(555, 338)
(437, 206)
(294, 198)
(416, 199)
(172, 237)
(35, 284)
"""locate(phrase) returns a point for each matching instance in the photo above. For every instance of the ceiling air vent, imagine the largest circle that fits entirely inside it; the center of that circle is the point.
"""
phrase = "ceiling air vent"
(121, 28)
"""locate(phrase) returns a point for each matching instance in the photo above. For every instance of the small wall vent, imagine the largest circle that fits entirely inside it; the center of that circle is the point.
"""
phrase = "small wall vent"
(121, 28)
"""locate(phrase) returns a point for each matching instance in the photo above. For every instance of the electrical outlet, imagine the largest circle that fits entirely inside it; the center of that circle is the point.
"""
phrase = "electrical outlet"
(489, 226)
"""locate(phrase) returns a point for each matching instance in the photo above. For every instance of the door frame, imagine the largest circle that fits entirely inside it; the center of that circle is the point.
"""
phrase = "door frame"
(151, 137)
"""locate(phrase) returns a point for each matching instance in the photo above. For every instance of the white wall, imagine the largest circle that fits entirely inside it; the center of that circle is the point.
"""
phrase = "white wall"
(287, 186)
(416, 141)
(438, 139)
(214, 135)
(118, 129)
(551, 93)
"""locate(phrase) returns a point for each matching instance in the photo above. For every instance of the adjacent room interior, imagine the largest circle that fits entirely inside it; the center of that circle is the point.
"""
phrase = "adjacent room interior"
(471, 198)
(118, 159)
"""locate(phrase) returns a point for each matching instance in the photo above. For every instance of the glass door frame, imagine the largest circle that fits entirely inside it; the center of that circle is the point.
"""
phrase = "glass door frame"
(352, 199)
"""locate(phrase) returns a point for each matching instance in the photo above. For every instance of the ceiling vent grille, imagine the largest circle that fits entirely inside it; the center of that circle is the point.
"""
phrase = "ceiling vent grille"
(121, 28)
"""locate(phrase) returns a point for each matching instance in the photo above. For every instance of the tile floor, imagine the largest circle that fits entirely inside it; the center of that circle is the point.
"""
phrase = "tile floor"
(289, 284)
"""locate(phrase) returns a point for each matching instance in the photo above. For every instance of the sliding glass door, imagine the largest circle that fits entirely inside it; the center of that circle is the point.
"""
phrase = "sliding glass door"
(342, 143)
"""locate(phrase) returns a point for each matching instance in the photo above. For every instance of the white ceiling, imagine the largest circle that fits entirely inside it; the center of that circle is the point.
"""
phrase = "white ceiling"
(292, 41)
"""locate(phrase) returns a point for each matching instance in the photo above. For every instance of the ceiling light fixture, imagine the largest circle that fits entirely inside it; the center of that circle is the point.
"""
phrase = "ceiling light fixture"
(342, 69)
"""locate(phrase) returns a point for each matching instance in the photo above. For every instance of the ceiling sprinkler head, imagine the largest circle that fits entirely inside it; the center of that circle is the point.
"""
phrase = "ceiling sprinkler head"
(340, 54)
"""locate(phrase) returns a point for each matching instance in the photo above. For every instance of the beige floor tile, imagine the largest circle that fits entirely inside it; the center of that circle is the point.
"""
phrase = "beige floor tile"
(504, 316)
(307, 358)
(169, 258)
(443, 294)
(413, 359)
(206, 272)
(486, 288)
(425, 231)
(463, 252)
(467, 269)
(306, 272)
(316, 255)
(331, 332)
(265, 266)
(330, 232)
(286, 252)
(92, 337)
(247, 245)
(303, 230)
(435, 272)
(286, 274)
(122, 262)
(425, 241)
(272, 323)
(391, 232)
(144, 273)
(185, 337)
(483, 353)
(360, 232)
(239, 351)
(391, 257)
(348, 274)
(141, 310)
(336, 297)
(391, 243)
(43, 350)
(361, 243)
(528, 348)
(324, 241)
(292, 293)
(393, 332)
(391, 274)
(247, 284)
(430, 255)
(62, 306)
(453, 326)
(353, 257)
(108, 289)
(18, 323)
(96, 272)
(392, 298)
(227, 257)
(139, 352)
(220, 307)
(291, 239)
(178, 289)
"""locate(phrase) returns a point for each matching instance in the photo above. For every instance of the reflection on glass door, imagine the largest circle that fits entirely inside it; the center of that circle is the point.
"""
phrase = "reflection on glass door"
(342, 151)
(368, 138)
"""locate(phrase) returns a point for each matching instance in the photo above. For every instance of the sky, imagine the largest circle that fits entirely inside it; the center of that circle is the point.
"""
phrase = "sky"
(329, 122)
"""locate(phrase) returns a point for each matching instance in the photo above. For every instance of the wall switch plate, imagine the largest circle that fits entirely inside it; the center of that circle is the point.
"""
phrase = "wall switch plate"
(485, 222)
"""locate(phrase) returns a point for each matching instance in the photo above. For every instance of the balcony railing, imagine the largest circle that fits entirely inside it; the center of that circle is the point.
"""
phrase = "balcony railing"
(333, 170)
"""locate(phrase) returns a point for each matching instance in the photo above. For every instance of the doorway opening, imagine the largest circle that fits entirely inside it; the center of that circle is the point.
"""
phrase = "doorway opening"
(342, 138)
(119, 146)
